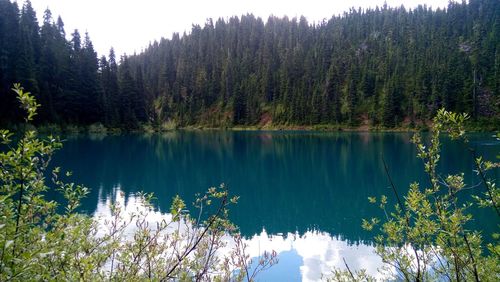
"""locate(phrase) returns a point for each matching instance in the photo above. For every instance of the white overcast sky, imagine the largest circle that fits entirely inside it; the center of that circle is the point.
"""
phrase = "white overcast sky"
(129, 25)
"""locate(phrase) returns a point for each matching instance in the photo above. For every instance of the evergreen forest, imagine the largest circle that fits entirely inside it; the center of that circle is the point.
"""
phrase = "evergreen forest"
(385, 66)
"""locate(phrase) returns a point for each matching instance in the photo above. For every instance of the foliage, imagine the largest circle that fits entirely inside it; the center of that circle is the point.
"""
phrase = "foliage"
(426, 237)
(42, 239)
(377, 67)
(97, 128)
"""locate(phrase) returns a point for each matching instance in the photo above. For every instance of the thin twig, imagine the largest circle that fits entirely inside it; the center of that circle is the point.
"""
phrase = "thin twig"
(483, 177)
(476, 276)
(193, 247)
(20, 203)
(349, 270)
(418, 278)
(392, 183)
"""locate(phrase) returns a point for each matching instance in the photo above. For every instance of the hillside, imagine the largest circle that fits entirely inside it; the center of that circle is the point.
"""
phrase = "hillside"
(386, 66)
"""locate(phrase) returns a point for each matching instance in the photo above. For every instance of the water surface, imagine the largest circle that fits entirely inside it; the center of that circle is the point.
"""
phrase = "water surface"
(302, 194)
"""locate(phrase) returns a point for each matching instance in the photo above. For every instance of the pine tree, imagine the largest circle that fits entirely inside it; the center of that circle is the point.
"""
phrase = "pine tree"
(9, 54)
(128, 92)
(29, 46)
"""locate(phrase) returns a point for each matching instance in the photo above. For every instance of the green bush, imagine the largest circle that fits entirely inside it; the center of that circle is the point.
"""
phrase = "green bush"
(72, 129)
(51, 128)
(426, 236)
(97, 128)
(168, 125)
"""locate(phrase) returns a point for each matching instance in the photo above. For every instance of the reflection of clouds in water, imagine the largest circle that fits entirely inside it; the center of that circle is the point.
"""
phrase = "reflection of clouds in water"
(301, 258)
(319, 252)
(129, 205)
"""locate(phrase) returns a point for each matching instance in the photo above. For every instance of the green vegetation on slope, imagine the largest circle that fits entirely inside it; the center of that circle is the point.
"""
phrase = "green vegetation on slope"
(379, 67)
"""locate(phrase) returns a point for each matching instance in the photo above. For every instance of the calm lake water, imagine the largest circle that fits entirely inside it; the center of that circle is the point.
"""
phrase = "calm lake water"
(302, 194)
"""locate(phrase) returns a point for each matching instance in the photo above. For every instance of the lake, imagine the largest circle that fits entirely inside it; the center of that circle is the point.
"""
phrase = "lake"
(302, 194)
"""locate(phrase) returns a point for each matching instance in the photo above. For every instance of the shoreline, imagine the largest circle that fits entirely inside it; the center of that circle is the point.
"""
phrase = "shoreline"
(101, 129)
(301, 128)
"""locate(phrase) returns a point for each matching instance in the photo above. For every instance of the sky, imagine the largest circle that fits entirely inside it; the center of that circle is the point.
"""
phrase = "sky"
(130, 25)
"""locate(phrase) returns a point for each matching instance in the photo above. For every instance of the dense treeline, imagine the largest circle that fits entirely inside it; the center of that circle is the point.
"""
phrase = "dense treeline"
(62, 74)
(383, 66)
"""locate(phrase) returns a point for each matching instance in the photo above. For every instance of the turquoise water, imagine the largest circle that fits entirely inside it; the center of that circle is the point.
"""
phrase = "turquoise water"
(301, 193)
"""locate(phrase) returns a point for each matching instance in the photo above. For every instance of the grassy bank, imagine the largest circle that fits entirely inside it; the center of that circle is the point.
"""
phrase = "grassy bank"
(485, 125)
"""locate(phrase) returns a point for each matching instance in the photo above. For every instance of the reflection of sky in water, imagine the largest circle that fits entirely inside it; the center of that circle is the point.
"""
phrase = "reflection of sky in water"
(305, 257)
(311, 255)
(301, 180)
(307, 190)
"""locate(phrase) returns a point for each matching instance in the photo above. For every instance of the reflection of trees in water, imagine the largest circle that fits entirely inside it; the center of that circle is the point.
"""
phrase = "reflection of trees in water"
(288, 181)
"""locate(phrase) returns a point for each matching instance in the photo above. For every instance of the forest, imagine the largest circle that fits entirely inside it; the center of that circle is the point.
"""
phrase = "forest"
(387, 67)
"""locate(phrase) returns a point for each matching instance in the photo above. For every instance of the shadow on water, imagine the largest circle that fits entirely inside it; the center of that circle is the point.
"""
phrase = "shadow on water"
(287, 181)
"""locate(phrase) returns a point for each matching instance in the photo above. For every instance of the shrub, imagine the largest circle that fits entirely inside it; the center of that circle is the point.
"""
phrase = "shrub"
(426, 236)
(168, 125)
(98, 128)
(51, 128)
